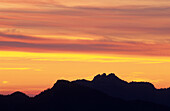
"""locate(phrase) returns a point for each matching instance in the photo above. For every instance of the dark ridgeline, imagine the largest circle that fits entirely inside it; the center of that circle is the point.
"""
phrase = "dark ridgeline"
(103, 93)
(115, 87)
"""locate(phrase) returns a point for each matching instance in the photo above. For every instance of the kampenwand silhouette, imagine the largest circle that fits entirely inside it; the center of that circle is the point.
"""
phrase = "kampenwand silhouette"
(115, 87)
(103, 93)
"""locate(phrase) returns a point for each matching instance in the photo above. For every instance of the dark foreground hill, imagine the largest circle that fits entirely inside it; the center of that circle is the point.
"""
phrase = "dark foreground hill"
(79, 95)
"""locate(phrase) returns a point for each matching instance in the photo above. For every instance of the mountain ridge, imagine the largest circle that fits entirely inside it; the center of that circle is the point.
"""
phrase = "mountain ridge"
(116, 87)
(104, 92)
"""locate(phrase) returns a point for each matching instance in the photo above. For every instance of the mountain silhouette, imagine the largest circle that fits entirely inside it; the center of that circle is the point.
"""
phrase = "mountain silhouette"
(103, 93)
(115, 87)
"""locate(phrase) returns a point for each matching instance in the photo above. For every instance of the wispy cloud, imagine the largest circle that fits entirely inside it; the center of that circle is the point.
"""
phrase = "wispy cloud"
(138, 30)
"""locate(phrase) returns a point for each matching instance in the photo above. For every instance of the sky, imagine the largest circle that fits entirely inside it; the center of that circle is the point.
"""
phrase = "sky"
(42, 41)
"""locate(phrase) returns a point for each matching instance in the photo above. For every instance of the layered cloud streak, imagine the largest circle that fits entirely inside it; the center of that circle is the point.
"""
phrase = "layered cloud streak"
(53, 26)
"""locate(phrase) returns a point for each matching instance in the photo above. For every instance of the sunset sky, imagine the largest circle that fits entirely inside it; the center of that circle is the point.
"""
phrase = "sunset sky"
(42, 41)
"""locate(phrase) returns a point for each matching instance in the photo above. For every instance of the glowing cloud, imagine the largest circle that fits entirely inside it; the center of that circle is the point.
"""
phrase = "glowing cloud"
(45, 39)
(14, 68)
(4, 82)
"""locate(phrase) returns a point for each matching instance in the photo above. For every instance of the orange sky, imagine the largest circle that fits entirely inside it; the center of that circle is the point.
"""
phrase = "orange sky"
(42, 41)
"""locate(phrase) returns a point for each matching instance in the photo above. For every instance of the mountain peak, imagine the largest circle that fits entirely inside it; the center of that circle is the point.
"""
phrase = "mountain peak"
(143, 85)
(18, 93)
(101, 76)
(61, 83)
(18, 97)
(107, 78)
